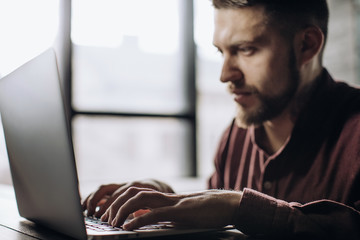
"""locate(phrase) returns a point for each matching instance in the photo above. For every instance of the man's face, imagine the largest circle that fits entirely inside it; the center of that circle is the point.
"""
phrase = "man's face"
(259, 65)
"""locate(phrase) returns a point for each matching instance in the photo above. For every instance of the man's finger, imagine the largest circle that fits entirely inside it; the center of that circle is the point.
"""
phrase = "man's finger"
(142, 200)
(93, 199)
(112, 211)
(111, 200)
(153, 217)
(121, 190)
(84, 203)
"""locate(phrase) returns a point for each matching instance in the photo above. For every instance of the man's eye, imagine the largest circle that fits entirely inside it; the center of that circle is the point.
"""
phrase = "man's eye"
(247, 50)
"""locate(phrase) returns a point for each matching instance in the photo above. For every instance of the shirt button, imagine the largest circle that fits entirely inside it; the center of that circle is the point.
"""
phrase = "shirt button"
(267, 185)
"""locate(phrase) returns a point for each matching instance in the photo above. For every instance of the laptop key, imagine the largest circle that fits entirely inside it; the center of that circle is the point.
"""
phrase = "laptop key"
(98, 225)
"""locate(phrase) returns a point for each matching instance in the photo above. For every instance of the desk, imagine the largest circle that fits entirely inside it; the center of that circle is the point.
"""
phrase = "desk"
(12, 226)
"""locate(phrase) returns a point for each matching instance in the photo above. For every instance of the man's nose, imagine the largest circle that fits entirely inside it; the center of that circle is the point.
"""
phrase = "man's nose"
(230, 71)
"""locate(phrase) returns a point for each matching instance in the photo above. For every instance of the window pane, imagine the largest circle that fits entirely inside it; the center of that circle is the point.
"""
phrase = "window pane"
(215, 105)
(126, 56)
(341, 52)
(136, 148)
(27, 28)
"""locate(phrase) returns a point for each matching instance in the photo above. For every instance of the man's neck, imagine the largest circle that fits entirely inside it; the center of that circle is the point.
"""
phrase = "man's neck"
(275, 132)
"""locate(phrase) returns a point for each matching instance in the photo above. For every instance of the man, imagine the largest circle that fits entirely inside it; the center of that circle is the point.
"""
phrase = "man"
(290, 162)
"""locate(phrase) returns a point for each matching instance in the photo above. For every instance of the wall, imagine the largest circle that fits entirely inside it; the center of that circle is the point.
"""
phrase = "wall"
(341, 55)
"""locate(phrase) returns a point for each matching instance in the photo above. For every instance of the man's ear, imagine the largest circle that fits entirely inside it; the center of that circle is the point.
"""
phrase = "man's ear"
(310, 43)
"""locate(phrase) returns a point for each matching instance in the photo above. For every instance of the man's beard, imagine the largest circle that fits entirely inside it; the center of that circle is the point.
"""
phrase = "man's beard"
(271, 106)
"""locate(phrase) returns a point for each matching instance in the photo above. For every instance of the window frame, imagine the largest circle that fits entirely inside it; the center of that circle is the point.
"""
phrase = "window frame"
(187, 67)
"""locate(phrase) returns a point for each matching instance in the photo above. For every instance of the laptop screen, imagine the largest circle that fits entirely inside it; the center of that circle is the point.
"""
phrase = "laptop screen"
(39, 146)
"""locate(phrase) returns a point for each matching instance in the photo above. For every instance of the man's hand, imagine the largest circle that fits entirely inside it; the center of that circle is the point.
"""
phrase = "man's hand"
(99, 201)
(207, 209)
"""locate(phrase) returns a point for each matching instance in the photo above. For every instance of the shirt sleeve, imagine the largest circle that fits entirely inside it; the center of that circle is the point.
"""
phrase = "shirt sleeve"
(260, 214)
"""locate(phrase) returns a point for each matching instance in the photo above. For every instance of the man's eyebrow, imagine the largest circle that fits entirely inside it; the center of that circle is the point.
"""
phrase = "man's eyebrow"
(256, 40)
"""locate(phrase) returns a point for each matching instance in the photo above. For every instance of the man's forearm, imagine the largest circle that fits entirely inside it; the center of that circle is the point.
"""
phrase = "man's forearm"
(261, 214)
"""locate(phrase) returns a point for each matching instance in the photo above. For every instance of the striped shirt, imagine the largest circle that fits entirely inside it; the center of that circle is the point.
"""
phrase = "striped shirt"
(309, 187)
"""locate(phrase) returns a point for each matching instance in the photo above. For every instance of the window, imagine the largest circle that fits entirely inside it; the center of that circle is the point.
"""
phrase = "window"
(215, 106)
(26, 30)
(126, 56)
(137, 110)
(130, 99)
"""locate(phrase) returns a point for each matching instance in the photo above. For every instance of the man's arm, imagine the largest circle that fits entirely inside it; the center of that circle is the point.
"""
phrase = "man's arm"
(262, 214)
(206, 209)
(252, 212)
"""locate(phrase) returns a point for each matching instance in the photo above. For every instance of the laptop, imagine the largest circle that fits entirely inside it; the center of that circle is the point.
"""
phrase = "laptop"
(41, 156)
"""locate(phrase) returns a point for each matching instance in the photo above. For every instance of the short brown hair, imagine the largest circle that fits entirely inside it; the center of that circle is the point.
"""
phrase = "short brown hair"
(289, 15)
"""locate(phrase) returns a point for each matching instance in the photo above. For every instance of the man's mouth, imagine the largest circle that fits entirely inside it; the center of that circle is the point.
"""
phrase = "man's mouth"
(242, 96)
(241, 92)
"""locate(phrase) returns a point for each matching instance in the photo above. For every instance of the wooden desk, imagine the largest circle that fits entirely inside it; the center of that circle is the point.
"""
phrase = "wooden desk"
(12, 226)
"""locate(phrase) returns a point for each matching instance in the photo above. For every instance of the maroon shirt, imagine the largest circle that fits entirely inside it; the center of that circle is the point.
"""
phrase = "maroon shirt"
(311, 186)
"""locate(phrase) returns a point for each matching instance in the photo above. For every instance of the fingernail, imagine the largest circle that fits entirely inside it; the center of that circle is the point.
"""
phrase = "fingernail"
(127, 226)
(113, 222)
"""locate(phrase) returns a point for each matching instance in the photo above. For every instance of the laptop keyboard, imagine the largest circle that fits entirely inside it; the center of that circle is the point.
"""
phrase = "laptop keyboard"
(100, 226)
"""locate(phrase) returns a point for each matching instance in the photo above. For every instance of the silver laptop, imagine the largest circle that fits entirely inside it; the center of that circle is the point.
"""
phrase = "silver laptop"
(41, 154)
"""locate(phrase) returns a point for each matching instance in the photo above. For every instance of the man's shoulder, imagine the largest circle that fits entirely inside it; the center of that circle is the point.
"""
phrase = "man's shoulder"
(346, 94)
(345, 105)
(352, 125)
(339, 99)
(345, 124)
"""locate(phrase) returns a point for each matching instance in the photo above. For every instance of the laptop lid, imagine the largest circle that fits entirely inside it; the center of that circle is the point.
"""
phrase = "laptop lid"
(41, 156)
(40, 147)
